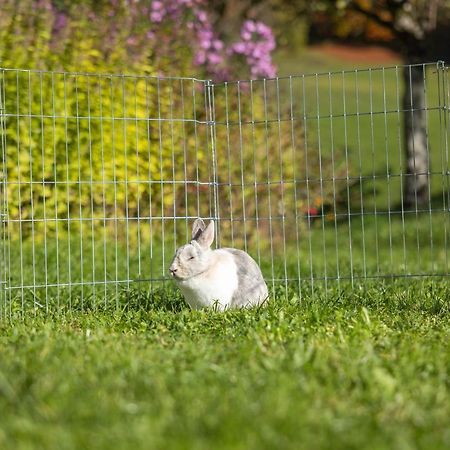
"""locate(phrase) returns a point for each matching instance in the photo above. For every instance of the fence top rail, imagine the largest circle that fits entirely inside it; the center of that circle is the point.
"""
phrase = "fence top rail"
(104, 75)
(436, 64)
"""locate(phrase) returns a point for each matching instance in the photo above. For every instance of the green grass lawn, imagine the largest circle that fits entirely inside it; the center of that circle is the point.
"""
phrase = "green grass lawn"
(362, 368)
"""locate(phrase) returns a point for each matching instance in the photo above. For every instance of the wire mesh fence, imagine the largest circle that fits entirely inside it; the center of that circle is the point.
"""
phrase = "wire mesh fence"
(336, 177)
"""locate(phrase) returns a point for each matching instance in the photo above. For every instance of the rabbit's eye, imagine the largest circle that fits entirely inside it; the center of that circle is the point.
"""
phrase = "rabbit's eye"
(192, 257)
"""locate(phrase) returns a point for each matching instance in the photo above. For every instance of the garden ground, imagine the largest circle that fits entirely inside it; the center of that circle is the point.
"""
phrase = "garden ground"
(361, 368)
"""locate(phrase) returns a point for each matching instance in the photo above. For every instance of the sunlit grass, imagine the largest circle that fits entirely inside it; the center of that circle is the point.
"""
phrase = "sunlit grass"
(361, 368)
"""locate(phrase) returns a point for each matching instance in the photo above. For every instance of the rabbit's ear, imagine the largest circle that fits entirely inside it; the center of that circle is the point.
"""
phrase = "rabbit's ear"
(206, 237)
(197, 228)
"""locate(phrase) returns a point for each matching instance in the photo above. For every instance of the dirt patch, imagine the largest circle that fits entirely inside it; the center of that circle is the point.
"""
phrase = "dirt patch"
(363, 54)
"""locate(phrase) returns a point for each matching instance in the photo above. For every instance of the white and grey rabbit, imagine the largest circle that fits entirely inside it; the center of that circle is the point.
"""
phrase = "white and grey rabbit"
(223, 278)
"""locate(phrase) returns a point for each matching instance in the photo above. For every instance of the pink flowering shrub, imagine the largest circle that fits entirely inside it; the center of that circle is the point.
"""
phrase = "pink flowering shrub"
(171, 37)
(211, 52)
(256, 45)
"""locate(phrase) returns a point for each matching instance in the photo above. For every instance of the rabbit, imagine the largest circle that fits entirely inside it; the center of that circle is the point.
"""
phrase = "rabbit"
(222, 278)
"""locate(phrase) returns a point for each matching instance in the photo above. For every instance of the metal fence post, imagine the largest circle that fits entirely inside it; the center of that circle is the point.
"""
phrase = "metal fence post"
(3, 206)
(444, 117)
(211, 121)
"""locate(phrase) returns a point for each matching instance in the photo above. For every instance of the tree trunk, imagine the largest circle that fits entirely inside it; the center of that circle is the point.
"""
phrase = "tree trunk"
(415, 192)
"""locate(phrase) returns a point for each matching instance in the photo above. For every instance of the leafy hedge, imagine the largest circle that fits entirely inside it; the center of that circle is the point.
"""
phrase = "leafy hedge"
(97, 146)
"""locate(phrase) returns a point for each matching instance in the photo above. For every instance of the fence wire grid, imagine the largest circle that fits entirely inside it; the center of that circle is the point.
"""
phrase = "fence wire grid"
(337, 177)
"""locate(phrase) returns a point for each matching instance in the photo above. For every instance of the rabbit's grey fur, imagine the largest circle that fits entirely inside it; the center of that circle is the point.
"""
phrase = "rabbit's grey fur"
(249, 279)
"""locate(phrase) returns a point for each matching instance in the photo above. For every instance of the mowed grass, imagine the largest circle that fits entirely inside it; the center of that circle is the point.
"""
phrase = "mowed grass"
(355, 368)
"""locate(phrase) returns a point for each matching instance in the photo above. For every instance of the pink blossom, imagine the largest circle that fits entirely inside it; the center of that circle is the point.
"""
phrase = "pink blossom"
(249, 25)
(239, 47)
(201, 16)
(60, 22)
(199, 58)
(156, 17)
(217, 44)
(215, 58)
(256, 45)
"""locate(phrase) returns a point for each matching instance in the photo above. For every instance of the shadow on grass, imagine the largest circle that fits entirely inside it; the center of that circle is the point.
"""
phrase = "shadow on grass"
(372, 197)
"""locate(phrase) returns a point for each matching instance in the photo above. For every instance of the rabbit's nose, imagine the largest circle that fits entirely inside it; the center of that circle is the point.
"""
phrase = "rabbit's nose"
(172, 270)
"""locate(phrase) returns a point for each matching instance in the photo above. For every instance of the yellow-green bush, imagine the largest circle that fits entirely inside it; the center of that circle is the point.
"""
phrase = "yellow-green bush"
(93, 143)
(81, 144)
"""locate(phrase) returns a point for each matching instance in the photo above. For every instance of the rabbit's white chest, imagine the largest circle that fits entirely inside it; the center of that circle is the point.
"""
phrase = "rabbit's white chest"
(216, 286)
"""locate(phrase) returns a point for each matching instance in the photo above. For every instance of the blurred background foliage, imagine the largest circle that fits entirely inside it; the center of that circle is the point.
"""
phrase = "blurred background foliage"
(300, 23)
(85, 145)
(80, 144)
